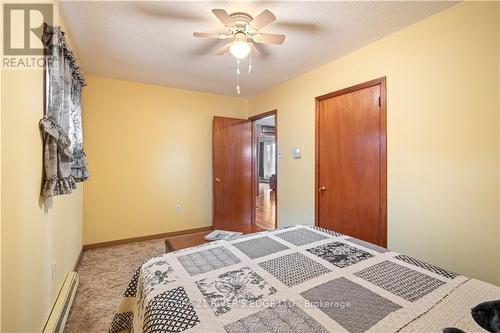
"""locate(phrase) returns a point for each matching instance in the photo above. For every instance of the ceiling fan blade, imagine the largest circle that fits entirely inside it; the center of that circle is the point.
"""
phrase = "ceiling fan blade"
(263, 19)
(262, 49)
(223, 49)
(224, 17)
(271, 39)
(207, 46)
(210, 35)
(253, 49)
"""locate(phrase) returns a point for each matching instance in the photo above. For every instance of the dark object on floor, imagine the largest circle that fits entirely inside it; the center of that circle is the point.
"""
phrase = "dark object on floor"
(452, 330)
(487, 315)
(273, 182)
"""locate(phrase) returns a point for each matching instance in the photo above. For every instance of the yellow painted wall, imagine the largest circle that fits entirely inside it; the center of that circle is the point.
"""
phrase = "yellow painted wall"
(33, 233)
(149, 149)
(443, 136)
(1, 52)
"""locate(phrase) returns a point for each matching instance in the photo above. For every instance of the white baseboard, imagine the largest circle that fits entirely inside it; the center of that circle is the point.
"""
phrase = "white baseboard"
(60, 311)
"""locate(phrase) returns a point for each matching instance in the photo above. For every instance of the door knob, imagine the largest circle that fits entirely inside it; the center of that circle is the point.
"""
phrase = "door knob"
(322, 189)
(217, 180)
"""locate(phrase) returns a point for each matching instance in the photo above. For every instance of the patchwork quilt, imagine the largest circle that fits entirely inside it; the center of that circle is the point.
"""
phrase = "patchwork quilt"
(299, 279)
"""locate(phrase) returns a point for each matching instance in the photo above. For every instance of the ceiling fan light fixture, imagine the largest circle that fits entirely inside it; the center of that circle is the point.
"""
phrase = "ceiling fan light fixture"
(240, 49)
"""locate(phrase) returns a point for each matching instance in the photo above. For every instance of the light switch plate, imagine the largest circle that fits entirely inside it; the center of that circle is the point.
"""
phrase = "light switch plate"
(296, 153)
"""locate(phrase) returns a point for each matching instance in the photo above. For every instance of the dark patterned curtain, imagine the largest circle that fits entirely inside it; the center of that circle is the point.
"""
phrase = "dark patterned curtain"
(64, 160)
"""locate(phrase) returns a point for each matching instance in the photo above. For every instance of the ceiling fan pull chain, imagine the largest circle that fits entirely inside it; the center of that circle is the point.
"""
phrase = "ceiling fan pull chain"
(250, 66)
(238, 77)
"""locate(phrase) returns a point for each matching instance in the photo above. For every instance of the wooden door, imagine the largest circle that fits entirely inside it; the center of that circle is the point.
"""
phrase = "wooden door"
(232, 173)
(351, 162)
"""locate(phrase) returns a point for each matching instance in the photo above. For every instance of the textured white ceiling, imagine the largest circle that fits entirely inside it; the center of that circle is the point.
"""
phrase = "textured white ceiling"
(152, 42)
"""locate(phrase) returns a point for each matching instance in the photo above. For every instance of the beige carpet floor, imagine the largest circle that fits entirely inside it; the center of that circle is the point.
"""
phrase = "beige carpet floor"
(104, 275)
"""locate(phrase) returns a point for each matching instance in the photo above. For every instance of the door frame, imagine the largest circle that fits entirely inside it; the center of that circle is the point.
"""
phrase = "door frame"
(383, 149)
(255, 177)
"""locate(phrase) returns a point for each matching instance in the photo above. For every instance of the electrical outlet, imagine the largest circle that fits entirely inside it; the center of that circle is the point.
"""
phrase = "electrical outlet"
(178, 208)
(54, 269)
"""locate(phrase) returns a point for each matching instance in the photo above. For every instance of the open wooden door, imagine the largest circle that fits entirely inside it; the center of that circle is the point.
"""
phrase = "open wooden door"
(232, 173)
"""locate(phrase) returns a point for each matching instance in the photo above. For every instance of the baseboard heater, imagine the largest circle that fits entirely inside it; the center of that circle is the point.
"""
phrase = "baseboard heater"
(60, 311)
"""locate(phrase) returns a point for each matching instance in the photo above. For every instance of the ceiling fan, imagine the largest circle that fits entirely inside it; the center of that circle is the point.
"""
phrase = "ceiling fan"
(244, 32)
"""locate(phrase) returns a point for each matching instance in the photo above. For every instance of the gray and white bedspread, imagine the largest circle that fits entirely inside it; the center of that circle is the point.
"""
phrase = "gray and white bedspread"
(299, 279)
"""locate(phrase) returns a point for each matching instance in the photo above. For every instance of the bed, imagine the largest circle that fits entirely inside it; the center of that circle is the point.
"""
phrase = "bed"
(298, 279)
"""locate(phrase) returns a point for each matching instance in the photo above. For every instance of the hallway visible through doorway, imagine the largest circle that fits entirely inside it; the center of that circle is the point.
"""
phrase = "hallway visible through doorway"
(265, 214)
(265, 170)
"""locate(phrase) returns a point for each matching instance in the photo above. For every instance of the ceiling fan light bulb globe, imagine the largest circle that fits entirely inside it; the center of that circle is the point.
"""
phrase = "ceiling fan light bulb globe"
(240, 49)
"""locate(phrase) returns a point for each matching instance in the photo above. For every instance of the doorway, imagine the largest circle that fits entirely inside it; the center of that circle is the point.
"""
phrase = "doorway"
(244, 173)
(351, 176)
(264, 170)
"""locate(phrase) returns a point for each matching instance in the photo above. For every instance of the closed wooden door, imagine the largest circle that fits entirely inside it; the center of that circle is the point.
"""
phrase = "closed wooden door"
(232, 173)
(351, 162)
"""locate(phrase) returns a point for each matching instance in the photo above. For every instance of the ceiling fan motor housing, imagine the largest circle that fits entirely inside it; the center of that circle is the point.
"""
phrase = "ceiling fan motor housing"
(242, 28)
(241, 19)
